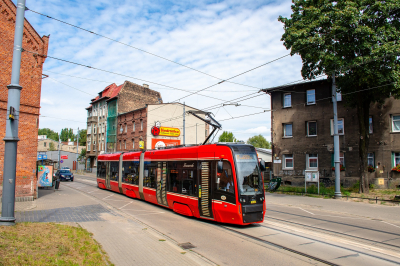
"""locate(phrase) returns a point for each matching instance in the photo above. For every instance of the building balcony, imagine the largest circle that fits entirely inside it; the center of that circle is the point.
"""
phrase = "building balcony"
(92, 119)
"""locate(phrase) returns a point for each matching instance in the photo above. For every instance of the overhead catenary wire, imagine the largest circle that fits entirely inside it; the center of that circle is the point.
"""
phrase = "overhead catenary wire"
(139, 49)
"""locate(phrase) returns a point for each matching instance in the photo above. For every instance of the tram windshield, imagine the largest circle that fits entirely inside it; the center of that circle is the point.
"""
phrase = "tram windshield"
(248, 174)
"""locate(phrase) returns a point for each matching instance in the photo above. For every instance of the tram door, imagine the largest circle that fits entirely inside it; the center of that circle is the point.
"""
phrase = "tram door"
(204, 190)
(108, 174)
(161, 190)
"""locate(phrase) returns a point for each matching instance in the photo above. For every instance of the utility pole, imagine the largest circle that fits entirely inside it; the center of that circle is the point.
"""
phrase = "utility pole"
(11, 138)
(196, 133)
(184, 123)
(77, 149)
(59, 153)
(338, 194)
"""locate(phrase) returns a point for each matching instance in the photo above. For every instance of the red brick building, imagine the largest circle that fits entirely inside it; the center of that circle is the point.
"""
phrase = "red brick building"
(31, 81)
(136, 125)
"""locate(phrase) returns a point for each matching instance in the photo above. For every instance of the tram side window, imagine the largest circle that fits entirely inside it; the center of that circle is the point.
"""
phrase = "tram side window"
(188, 178)
(150, 173)
(101, 170)
(175, 177)
(226, 179)
(130, 172)
(114, 167)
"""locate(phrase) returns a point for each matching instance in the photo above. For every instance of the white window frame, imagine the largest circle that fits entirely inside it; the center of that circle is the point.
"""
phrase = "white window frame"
(315, 99)
(396, 157)
(126, 128)
(284, 100)
(121, 130)
(371, 155)
(308, 128)
(284, 130)
(393, 120)
(332, 129)
(88, 146)
(134, 127)
(308, 158)
(284, 158)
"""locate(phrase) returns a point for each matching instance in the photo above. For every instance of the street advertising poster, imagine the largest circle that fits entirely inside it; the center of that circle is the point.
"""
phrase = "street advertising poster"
(45, 176)
(160, 143)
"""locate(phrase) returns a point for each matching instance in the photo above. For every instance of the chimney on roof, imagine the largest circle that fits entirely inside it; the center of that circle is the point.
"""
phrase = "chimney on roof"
(146, 86)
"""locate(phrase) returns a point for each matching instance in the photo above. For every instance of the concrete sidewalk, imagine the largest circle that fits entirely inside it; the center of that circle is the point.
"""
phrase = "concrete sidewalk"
(126, 241)
(357, 209)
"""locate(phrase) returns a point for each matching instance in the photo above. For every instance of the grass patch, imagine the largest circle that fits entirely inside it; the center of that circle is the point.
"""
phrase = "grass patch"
(49, 244)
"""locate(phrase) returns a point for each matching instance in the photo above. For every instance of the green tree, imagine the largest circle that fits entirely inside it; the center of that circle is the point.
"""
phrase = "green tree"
(52, 147)
(49, 133)
(259, 141)
(226, 137)
(358, 43)
(82, 155)
(82, 137)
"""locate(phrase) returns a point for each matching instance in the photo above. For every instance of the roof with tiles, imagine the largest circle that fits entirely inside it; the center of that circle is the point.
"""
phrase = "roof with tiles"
(109, 92)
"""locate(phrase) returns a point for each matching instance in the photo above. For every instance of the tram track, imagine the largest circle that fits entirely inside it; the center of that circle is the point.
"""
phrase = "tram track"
(334, 232)
(254, 239)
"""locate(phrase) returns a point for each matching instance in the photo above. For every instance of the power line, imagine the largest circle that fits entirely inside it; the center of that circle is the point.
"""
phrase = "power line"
(61, 119)
(72, 87)
(139, 49)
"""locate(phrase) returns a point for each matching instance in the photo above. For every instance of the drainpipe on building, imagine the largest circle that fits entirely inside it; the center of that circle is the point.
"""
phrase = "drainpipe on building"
(11, 138)
(338, 194)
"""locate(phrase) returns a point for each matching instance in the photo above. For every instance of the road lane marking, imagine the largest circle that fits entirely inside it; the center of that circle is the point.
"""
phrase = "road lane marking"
(306, 211)
(390, 224)
(107, 197)
(126, 205)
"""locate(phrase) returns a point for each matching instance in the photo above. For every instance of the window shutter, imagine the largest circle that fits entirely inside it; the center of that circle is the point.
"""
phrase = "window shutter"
(393, 160)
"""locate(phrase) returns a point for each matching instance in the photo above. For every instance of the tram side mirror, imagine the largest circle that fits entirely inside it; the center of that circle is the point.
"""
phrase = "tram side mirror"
(220, 167)
(262, 165)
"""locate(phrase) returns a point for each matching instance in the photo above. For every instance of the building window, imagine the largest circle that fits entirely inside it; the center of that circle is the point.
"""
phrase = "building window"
(121, 130)
(104, 110)
(287, 100)
(287, 161)
(287, 130)
(341, 159)
(311, 128)
(371, 159)
(120, 145)
(396, 158)
(312, 161)
(371, 127)
(125, 144)
(44, 143)
(133, 144)
(134, 127)
(94, 129)
(338, 96)
(94, 145)
(88, 146)
(340, 126)
(141, 125)
(126, 128)
(310, 97)
(396, 123)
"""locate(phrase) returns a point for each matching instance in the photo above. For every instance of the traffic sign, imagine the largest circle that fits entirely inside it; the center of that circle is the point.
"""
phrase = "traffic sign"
(61, 161)
(40, 157)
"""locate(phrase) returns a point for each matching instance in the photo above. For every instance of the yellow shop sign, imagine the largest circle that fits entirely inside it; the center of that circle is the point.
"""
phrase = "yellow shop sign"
(170, 131)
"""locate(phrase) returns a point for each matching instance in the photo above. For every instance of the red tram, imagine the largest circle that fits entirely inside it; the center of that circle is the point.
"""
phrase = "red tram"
(220, 182)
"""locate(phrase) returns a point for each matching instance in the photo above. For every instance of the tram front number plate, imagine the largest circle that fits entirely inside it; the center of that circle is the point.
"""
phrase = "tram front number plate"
(253, 202)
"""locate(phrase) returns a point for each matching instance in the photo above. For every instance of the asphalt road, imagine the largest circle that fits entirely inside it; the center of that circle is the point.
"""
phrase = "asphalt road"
(292, 233)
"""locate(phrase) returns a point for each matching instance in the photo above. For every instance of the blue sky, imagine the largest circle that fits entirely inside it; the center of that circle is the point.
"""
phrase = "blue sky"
(221, 38)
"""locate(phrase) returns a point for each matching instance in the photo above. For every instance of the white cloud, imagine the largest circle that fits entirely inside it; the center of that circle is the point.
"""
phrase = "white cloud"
(222, 39)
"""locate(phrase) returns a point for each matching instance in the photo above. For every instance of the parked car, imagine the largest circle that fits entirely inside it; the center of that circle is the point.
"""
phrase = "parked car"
(64, 175)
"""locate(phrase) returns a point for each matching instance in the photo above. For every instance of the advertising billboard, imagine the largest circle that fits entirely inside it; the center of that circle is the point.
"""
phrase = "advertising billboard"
(45, 176)
(160, 143)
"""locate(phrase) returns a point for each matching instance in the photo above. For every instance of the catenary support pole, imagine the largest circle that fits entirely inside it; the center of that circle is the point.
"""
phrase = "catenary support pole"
(336, 150)
(59, 151)
(77, 149)
(196, 133)
(11, 138)
(184, 123)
